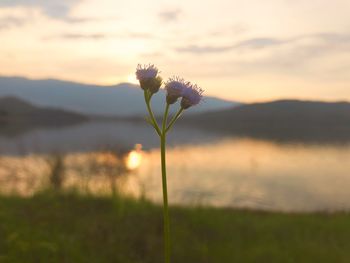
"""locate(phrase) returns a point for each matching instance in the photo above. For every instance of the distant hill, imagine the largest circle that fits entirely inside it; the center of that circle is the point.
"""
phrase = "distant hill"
(18, 115)
(123, 100)
(281, 120)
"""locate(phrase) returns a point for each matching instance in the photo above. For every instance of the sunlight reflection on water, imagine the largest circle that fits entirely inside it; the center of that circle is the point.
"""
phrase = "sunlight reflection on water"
(254, 174)
(230, 172)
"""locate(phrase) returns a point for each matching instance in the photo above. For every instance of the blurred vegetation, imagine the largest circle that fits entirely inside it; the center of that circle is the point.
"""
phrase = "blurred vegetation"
(67, 227)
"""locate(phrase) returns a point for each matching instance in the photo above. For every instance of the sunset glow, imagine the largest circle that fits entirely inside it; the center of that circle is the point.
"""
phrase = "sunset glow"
(245, 50)
(134, 158)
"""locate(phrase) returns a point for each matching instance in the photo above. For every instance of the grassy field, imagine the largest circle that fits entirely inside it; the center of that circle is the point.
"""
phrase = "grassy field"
(71, 228)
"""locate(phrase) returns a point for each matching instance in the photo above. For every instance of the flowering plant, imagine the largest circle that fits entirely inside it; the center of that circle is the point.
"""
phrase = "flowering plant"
(176, 88)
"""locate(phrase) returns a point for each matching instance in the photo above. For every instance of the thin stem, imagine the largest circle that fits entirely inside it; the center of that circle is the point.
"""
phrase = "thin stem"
(165, 191)
(162, 135)
(165, 118)
(153, 119)
(174, 119)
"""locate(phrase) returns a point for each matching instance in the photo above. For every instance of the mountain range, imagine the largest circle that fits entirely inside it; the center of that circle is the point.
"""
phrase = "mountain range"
(17, 116)
(122, 100)
(291, 120)
(28, 104)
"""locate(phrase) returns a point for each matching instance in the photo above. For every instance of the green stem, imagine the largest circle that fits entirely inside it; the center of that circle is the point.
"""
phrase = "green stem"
(153, 119)
(165, 118)
(165, 191)
(174, 119)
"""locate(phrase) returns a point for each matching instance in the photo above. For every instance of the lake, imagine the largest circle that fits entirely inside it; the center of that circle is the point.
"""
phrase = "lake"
(203, 168)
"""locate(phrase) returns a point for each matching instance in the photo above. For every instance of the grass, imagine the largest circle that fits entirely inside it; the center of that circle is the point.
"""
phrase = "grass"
(71, 228)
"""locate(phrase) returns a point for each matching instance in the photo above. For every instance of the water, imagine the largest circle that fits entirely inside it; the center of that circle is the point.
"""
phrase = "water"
(203, 168)
(255, 174)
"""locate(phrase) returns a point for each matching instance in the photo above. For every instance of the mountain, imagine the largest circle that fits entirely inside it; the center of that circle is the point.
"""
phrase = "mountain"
(281, 120)
(123, 100)
(17, 115)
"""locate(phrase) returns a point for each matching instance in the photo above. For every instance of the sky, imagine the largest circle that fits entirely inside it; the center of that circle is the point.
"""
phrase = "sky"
(251, 50)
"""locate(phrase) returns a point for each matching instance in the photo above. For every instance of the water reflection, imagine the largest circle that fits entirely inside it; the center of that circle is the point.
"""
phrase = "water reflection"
(89, 173)
(229, 172)
(255, 174)
(134, 157)
(94, 136)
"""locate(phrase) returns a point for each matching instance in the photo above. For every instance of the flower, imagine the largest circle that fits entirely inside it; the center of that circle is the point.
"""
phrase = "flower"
(174, 88)
(147, 76)
(191, 95)
(146, 72)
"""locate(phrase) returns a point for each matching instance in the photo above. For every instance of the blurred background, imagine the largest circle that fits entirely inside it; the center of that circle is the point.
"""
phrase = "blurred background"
(272, 133)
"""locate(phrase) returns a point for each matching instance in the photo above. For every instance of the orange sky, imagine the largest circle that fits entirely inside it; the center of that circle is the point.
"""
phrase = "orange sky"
(241, 50)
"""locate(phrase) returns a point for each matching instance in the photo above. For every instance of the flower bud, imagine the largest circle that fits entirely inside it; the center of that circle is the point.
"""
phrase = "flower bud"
(174, 88)
(147, 76)
(191, 96)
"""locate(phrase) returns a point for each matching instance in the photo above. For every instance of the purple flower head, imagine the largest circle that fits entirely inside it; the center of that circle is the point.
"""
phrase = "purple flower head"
(146, 72)
(191, 95)
(174, 88)
(147, 75)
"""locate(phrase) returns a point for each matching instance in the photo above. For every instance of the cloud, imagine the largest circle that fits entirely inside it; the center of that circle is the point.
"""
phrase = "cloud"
(98, 36)
(73, 20)
(170, 15)
(10, 21)
(319, 56)
(203, 49)
(256, 43)
(317, 41)
(333, 37)
(252, 43)
(57, 9)
(78, 36)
